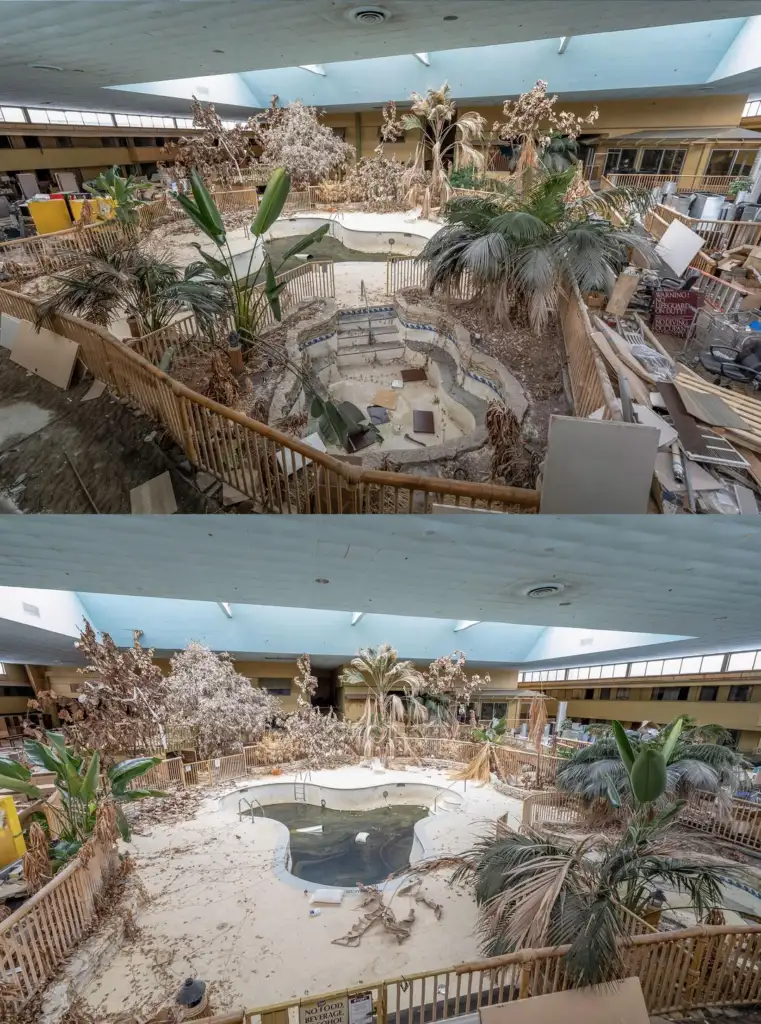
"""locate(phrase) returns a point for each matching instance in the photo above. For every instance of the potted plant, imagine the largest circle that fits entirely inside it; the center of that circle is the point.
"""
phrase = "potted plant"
(739, 189)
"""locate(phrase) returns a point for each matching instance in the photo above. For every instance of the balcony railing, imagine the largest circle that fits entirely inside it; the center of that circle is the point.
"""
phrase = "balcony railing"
(715, 183)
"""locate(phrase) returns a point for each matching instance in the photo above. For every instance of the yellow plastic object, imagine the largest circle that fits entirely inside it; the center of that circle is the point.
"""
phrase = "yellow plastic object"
(52, 215)
(12, 845)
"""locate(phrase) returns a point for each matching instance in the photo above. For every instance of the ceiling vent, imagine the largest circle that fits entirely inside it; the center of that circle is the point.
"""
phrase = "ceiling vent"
(545, 590)
(31, 609)
(369, 15)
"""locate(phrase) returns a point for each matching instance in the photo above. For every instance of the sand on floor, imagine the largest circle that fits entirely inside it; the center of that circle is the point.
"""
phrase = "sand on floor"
(217, 911)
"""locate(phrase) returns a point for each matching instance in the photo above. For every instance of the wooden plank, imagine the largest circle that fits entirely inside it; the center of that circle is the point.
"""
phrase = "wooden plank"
(413, 374)
(691, 438)
(385, 398)
(422, 422)
(623, 289)
(49, 355)
(640, 393)
(154, 497)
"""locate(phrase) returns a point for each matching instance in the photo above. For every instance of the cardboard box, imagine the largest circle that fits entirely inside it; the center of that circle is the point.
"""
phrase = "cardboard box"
(754, 258)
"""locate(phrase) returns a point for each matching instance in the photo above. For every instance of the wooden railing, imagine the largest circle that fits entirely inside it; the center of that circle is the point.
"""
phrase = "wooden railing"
(313, 280)
(23, 258)
(679, 971)
(278, 473)
(410, 272)
(718, 234)
(38, 937)
(716, 183)
(740, 825)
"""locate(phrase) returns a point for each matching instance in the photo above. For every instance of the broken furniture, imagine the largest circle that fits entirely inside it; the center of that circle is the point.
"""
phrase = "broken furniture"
(733, 364)
(378, 414)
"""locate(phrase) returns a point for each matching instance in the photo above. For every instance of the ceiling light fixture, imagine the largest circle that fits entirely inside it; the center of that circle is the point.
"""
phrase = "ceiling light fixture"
(355, 617)
(46, 67)
(320, 579)
(565, 40)
(465, 624)
(316, 69)
(225, 606)
(424, 59)
(450, 17)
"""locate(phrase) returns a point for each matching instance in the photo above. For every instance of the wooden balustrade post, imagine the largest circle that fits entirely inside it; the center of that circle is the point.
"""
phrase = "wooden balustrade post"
(523, 988)
(187, 432)
(381, 1006)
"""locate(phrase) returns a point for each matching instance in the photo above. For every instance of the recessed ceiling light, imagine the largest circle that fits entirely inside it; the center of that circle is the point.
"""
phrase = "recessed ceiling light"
(46, 67)
(321, 580)
(217, 51)
(450, 17)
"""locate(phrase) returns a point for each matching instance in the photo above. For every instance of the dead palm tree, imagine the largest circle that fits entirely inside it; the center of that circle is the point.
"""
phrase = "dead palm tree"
(392, 700)
(113, 277)
(534, 891)
(520, 250)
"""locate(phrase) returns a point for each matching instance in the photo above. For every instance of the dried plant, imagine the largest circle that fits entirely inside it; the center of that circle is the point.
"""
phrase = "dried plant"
(377, 182)
(292, 137)
(379, 912)
(392, 700)
(432, 116)
(221, 384)
(447, 689)
(222, 708)
(511, 460)
(219, 154)
(319, 739)
(35, 864)
(117, 711)
(531, 122)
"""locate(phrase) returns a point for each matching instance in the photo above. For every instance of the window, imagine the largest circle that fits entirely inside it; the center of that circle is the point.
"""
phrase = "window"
(2, 669)
(605, 693)
(11, 114)
(64, 141)
(607, 671)
(500, 710)
(712, 663)
(589, 694)
(145, 141)
(708, 693)
(739, 693)
(182, 122)
(520, 677)
(752, 108)
(670, 692)
(622, 693)
(573, 673)
(661, 161)
(654, 668)
(671, 666)
(734, 162)
(32, 141)
(5, 142)
(487, 710)
(620, 161)
(595, 672)
(620, 671)
(689, 666)
(278, 691)
(637, 668)
(741, 662)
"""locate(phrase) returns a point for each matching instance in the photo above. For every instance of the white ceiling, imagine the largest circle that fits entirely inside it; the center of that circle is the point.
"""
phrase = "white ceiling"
(692, 576)
(100, 43)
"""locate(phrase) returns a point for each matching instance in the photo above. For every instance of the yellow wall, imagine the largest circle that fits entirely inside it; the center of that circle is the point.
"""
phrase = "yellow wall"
(91, 161)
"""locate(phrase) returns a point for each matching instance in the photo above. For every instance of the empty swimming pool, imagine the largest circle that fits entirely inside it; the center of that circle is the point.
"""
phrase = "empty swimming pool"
(330, 852)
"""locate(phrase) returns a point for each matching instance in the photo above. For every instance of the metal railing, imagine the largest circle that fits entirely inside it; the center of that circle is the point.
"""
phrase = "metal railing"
(718, 234)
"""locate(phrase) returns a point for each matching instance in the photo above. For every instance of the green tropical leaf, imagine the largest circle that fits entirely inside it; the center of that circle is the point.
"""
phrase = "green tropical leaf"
(43, 756)
(305, 243)
(217, 267)
(123, 825)
(90, 781)
(668, 746)
(648, 775)
(272, 202)
(206, 206)
(19, 786)
(14, 769)
(121, 774)
(272, 291)
(624, 746)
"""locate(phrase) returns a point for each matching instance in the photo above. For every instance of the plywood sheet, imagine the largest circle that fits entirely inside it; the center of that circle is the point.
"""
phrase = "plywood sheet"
(598, 467)
(666, 433)
(154, 497)
(422, 422)
(639, 391)
(9, 326)
(293, 461)
(385, 397)
(678, 245)
(49, 355)
(710, 409)
(621, 1002)
(413, 374)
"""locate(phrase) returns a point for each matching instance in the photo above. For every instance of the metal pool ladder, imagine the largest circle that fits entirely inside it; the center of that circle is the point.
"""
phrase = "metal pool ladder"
(249, 804)
(300, 786)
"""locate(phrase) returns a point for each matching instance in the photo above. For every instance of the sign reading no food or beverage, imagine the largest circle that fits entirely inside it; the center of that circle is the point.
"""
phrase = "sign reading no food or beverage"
(325, 1011)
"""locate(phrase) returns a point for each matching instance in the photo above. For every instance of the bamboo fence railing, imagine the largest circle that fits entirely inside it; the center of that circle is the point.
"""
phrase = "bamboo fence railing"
(38, 937)
(23, 258)
(717, 183)
(277, 472)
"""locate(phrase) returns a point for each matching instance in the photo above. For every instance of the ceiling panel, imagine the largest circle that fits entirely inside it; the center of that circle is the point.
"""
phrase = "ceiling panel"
(117, 42)
(692, 576)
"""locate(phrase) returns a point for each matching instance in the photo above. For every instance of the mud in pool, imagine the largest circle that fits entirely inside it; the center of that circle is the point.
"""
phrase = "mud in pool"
(333, 856)
(328, 248)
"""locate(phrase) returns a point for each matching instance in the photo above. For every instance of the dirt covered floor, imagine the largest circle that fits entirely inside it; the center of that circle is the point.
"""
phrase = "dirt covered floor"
(113, 447)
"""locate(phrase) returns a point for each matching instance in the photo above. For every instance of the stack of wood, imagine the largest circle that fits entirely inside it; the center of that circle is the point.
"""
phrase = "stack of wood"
(742, 266)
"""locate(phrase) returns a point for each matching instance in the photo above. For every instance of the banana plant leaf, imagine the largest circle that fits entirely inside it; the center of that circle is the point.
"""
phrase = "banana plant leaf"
(272, 202)
(14, 769)
(20, 786)
(121, 774)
